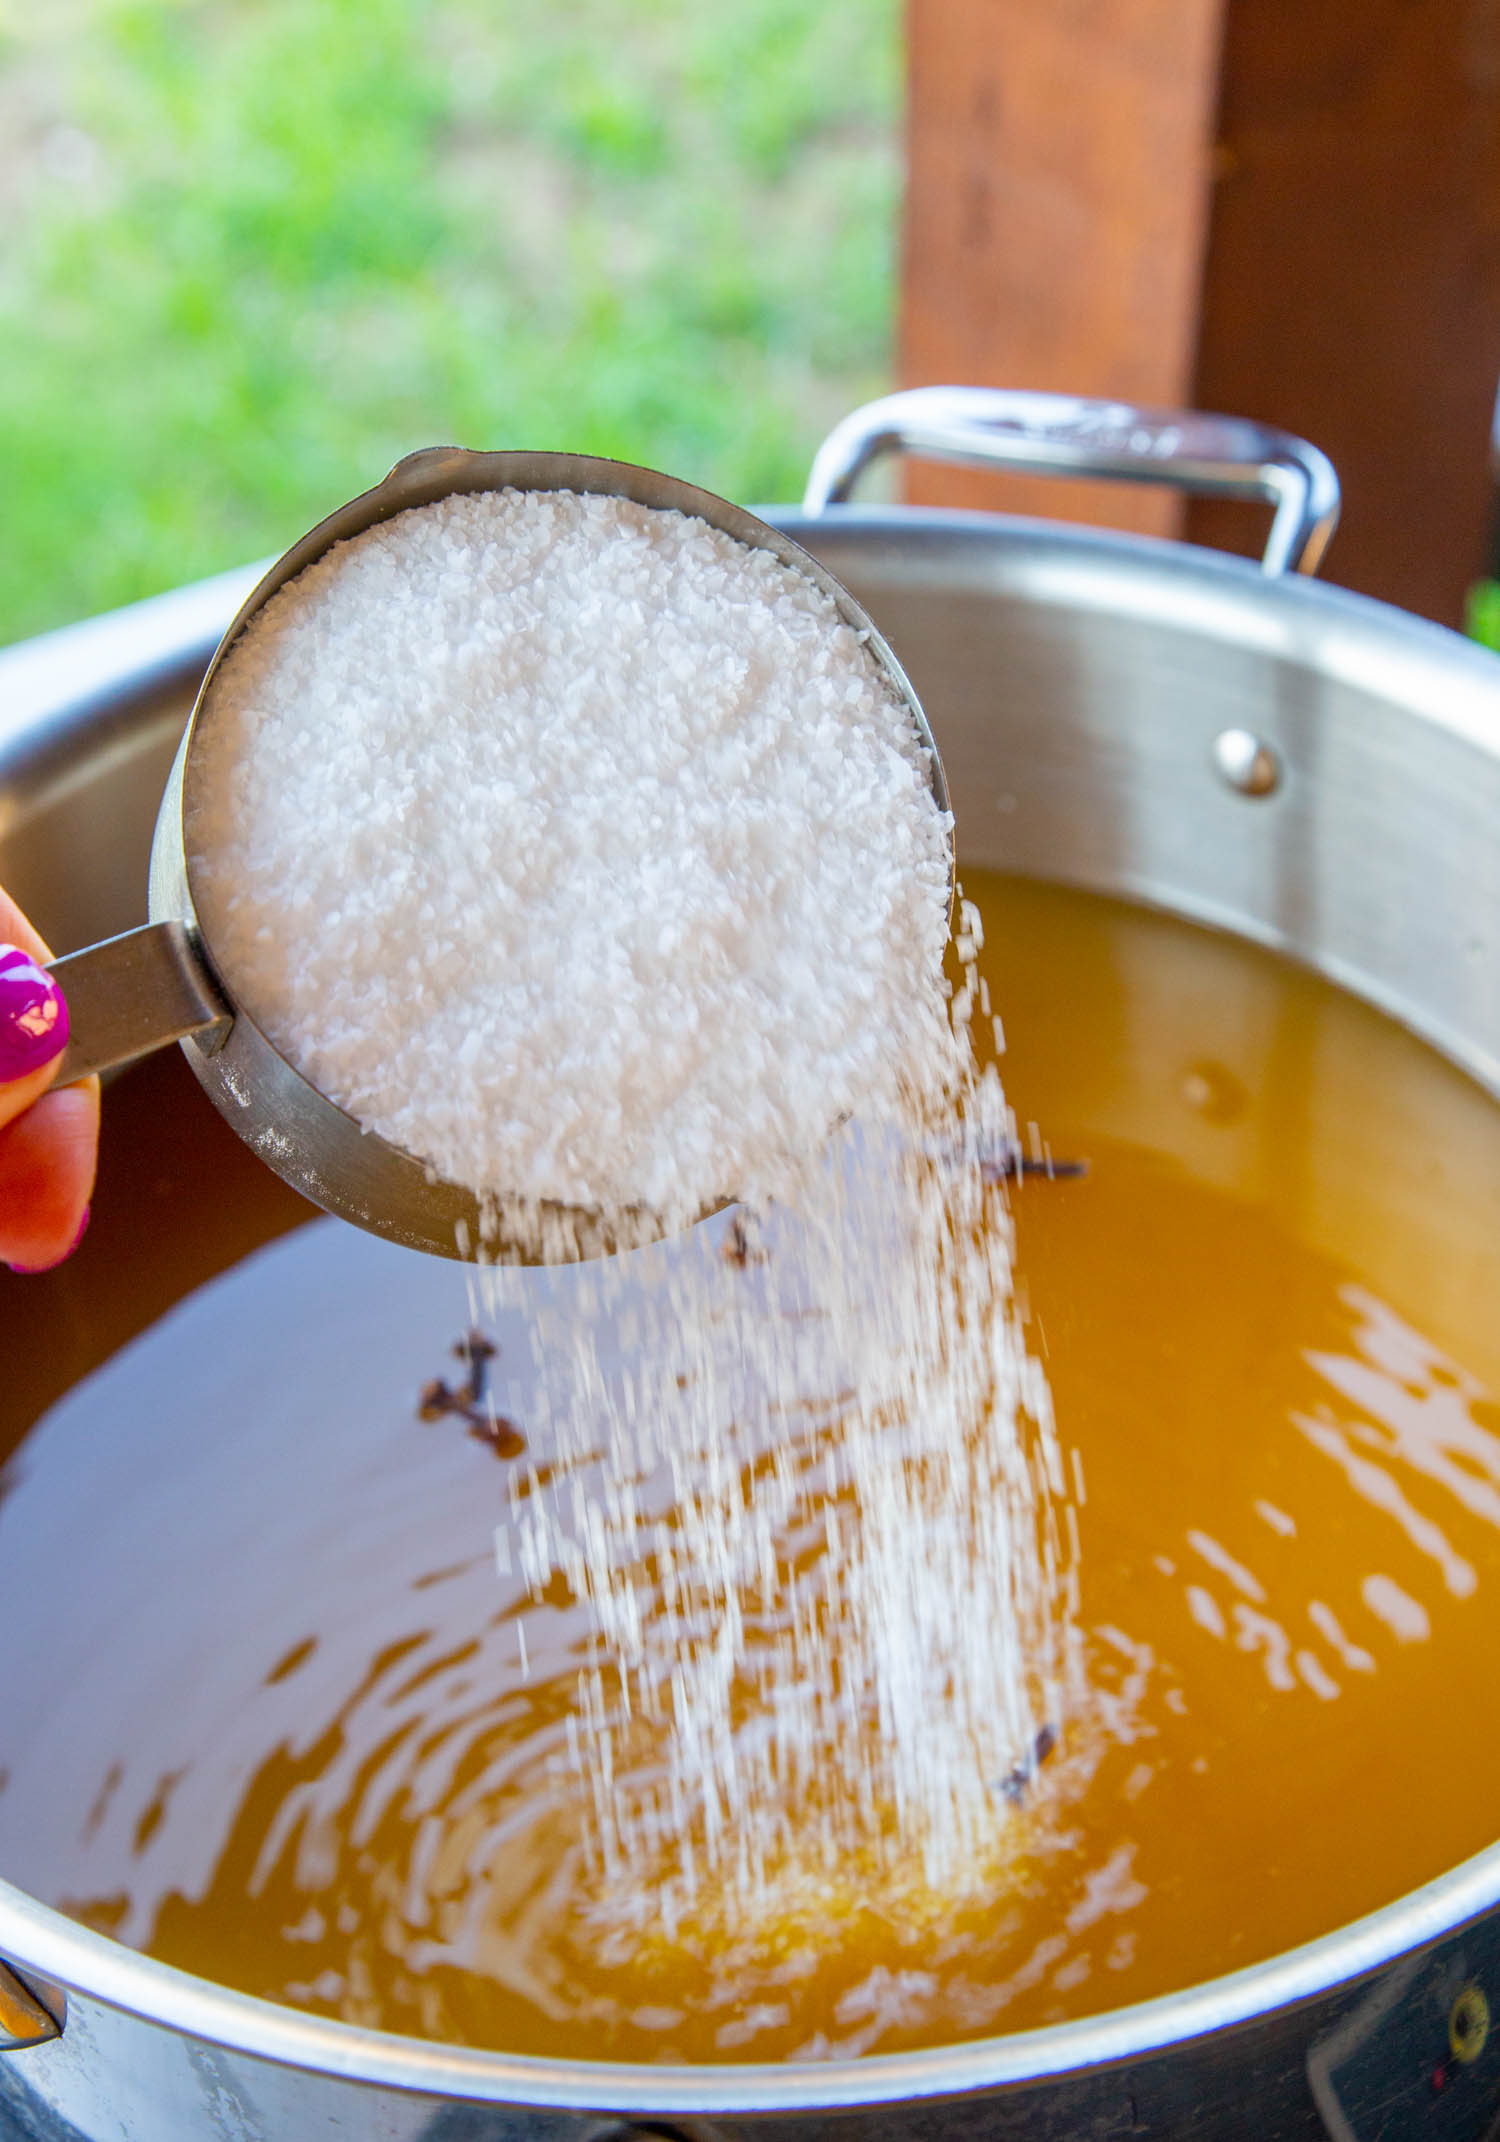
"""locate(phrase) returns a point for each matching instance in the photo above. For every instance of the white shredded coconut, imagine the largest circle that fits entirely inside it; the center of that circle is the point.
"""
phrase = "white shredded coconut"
(575, 847)
(829, 1593)
(589, 855)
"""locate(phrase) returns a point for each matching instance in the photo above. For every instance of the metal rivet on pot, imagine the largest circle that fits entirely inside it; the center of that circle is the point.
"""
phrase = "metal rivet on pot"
(1247, 763)
(1469, 2024)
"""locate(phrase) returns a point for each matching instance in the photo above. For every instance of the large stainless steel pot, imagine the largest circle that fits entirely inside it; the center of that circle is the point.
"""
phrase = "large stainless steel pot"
(1288, 761)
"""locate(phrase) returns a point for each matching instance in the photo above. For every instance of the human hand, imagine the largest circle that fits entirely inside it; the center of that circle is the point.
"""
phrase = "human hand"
(49, 1141)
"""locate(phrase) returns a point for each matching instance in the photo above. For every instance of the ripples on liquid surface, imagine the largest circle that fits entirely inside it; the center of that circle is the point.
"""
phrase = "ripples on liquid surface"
(284, 1722)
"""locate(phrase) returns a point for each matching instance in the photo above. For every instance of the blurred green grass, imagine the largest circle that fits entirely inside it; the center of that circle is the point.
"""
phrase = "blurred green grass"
(1482, 620)
(258, 249)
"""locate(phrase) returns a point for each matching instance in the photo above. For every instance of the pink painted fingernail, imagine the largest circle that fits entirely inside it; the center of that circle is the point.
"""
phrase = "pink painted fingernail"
(33, 1015)
(28, 1270)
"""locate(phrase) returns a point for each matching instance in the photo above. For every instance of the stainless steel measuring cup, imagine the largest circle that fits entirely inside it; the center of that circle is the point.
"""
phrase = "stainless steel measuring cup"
(158, 984)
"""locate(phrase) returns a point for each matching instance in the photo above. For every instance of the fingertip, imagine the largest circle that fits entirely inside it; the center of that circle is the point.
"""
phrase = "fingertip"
(27, 1270)
(48, 1161)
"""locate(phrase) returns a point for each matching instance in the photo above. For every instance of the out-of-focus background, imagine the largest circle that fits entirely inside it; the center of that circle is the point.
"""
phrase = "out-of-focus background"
(255, 250)
(252, 251)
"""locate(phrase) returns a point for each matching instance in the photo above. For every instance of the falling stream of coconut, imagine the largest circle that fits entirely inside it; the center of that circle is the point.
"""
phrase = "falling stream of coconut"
(832, 1601)
(590, 854)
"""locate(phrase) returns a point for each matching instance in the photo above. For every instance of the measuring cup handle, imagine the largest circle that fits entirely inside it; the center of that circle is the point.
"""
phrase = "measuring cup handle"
(1063, 435)
(135, 993)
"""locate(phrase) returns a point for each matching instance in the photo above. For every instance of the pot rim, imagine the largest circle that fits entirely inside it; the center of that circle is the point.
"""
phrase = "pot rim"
(50, 1947)
(64, 677)
(77, 670)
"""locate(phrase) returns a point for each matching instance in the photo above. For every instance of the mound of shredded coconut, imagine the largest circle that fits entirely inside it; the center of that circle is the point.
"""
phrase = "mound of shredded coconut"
(575, 847)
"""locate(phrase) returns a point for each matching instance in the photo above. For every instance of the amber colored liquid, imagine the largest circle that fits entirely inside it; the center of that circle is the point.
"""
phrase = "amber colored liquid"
(270, 1722)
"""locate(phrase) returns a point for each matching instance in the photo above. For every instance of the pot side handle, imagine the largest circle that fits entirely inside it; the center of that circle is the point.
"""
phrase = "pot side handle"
(1064, 435)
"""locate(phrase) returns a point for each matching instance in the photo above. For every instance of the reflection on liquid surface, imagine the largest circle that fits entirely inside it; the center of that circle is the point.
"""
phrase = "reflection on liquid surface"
(285, 1721)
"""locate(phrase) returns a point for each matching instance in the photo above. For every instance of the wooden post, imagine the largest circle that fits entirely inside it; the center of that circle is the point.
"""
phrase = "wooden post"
(1353, 286)
(1057, 194)
(1285, 209)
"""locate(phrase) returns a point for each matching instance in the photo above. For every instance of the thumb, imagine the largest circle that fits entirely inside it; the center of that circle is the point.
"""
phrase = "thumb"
(48, 1141)
(33, 1029)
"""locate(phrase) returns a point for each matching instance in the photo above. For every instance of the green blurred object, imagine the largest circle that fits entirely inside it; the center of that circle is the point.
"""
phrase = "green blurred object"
(1482, 611)
(259, 249)
(1482, 617)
